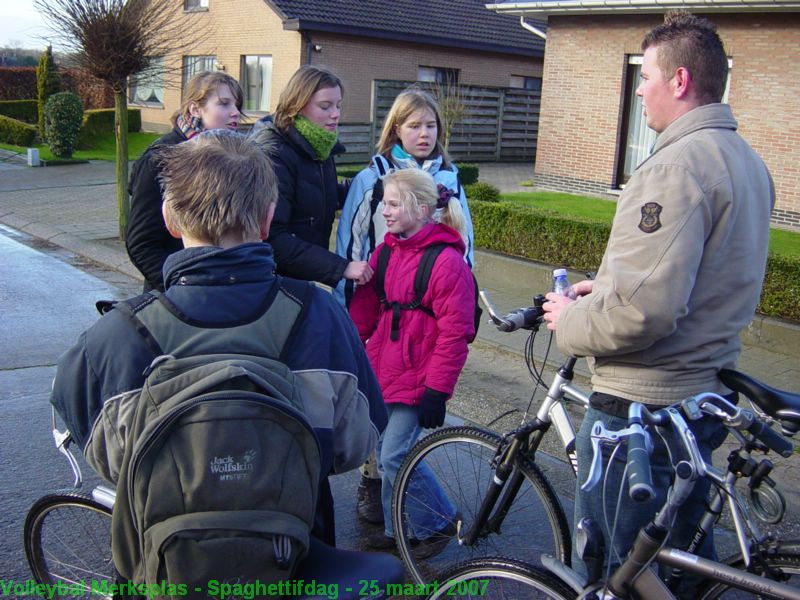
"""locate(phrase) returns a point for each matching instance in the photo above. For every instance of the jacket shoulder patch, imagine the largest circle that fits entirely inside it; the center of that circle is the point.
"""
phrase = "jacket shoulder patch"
(651, 221)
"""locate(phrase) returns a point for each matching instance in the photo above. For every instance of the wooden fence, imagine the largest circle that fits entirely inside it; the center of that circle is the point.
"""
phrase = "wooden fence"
(499, 124)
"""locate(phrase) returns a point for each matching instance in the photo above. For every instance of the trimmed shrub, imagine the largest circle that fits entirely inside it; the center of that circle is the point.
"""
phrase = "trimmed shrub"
(467, 173)
(63, 114)
(481, 191)
(26, 111)
(16, 132)
(780, 296)
(47, 84)
(350, 171)
(579, 244)
(101, 120)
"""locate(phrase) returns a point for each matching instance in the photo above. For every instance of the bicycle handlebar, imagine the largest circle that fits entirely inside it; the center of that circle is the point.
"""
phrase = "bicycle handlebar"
(771, 438)
(522, 318)
(640, 478)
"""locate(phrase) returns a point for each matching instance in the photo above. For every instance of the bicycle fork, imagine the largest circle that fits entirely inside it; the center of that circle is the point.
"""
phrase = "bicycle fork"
(527, 438)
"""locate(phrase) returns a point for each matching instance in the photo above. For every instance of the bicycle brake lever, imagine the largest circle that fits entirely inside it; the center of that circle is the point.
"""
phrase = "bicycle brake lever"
(600, 435)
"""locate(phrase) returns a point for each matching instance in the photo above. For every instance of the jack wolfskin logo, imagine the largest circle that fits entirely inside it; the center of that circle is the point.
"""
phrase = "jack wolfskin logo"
(230, 468)
(650, 217)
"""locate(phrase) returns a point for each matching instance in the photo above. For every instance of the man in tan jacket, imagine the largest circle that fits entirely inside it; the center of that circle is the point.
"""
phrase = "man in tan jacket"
(682, 272)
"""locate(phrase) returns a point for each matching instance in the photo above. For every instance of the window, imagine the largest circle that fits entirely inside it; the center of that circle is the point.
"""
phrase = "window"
(637, 138)
(526, 83)
(256, 80)
(148, 87)
(195, 4)
(439, 75)
(195, 64)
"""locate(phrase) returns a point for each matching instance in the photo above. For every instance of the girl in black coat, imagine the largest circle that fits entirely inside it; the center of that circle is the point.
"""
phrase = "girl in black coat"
(212, 100)
(300, 137)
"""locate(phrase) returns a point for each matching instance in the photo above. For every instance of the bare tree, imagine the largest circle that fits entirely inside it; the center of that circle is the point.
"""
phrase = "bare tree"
(453, 107)
(114, 40)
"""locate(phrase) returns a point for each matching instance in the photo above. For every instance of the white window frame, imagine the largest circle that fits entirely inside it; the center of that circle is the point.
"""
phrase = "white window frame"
(521, 82)
(640, 139)
(147, 88)
(439, 75)
(260, 89)
(192, 64)
(192, 5)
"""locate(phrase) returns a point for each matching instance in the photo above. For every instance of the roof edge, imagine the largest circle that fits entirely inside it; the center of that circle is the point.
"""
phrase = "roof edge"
(306, 25)
(544, 9)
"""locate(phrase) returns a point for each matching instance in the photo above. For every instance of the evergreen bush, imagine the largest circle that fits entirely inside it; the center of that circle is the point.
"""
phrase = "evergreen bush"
(16, 132)
(579, 244)
(26, 111)
(101, 120)
(482, 192)
(63, 114)
(467, 173)
(47, 84)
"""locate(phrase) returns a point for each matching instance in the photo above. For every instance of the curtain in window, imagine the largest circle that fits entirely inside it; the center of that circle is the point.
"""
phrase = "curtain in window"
(256, 81)
(640, 137)
(148, 87)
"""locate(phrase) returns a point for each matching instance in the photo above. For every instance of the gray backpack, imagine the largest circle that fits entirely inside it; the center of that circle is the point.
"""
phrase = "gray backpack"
(220, 470)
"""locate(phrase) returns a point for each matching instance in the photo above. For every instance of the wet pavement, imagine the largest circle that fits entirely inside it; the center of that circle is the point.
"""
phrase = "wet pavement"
(73, 208)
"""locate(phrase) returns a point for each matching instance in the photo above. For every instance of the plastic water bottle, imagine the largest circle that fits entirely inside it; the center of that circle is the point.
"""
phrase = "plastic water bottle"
(561, 284)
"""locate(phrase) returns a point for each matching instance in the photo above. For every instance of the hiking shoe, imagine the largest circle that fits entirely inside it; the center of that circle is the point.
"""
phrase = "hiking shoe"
(368, 500)
(380, 541)
(437, 542)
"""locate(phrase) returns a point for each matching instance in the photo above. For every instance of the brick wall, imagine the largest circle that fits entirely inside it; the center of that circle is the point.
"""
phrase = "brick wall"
(584, 77)
(250, 27)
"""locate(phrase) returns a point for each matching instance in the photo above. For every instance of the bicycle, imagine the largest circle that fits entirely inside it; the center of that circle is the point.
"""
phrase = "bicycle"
(763, 569)
(500, 491)
(68, 545)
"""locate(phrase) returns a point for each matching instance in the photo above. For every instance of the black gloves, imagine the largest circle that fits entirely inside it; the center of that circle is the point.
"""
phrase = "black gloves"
(432, 408)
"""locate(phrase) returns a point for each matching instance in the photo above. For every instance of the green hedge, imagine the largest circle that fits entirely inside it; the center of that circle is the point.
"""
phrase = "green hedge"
(26, 111)
(467, 173)
(349, 171)
(580, 243)
(482, 191)
(16, 132)
(101, 120)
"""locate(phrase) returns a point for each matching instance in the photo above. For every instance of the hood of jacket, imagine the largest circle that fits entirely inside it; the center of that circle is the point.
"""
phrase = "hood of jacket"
(432, 233)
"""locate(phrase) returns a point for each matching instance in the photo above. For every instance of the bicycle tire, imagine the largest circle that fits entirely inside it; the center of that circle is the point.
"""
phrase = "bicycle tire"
(500, 579)
(460, 459)
(787, 563)
(68, 540)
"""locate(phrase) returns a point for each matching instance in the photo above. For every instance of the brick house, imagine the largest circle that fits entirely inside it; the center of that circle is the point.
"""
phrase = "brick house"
(262, 42)
(591, 131)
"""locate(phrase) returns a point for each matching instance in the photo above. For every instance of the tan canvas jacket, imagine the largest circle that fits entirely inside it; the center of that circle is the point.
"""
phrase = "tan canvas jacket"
(684, 265)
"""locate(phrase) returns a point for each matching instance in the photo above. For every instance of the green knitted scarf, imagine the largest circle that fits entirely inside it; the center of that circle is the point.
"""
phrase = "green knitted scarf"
(321, 140)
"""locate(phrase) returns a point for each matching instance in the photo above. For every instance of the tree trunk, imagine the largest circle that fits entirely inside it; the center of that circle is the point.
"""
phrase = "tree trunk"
(121, 134)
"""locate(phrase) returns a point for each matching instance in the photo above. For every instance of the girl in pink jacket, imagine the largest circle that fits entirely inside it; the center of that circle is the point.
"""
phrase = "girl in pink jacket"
(417, 357)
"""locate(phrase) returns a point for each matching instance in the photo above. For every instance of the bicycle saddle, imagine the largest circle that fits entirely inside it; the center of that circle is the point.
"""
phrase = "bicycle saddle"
(780, 405)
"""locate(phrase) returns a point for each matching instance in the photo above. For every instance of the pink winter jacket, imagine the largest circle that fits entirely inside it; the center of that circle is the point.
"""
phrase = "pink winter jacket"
(430, 352)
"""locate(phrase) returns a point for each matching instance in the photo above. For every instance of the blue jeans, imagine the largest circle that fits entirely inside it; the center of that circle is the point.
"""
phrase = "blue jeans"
(634, 515)
(431, 509)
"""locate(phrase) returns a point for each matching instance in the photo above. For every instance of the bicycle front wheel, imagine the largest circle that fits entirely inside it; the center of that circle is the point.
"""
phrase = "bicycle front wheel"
(460, 460)
(500, 579)
(779, 567)
(68, 541)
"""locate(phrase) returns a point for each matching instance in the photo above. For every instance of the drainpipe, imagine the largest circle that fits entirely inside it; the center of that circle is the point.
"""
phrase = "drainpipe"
(532, 29)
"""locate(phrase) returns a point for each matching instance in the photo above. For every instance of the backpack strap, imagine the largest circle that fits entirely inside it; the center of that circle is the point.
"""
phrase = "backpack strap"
(166, 331)
(421, 281)
(129, 308)
(423, 276)
(377, 196)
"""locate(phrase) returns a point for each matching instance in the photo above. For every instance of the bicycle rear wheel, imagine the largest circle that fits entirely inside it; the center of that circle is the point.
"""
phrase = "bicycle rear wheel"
(783, 567)
(460, 458)
(501, 579)
(68, 541)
